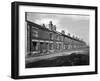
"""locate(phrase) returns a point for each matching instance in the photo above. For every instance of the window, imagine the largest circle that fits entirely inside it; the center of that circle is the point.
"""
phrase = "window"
(51, 36)
(34, 33)
(34, 44)
(57, 37)
(51, 46)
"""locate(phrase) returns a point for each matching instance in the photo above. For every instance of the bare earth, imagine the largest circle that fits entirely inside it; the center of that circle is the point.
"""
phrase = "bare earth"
(66, 58)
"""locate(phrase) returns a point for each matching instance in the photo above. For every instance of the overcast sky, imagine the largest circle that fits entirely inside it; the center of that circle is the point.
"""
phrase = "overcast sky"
(77, 25)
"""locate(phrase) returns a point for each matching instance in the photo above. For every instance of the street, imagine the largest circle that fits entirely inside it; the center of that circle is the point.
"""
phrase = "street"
(56, 59)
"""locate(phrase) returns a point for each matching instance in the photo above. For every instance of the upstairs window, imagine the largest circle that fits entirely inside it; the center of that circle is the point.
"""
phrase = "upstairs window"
(34, 32)
(51, 36)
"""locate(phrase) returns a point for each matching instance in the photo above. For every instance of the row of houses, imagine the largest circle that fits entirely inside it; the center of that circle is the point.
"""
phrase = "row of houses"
(41, 39)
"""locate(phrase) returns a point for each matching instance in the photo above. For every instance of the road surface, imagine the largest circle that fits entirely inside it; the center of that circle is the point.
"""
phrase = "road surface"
(54, 55)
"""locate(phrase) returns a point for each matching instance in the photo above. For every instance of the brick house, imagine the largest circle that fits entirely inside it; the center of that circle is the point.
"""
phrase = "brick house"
(41, 39)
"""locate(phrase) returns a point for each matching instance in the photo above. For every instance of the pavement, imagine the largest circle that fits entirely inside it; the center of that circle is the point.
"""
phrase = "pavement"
(54, 55)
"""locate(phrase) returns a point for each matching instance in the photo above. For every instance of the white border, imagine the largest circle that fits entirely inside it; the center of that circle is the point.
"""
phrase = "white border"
(53, 70)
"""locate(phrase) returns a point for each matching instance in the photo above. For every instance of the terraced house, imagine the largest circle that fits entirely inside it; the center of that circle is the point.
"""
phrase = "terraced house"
(42, 40)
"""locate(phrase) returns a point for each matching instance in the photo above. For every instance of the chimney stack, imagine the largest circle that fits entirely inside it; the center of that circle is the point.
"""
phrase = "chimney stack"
(63, 32)
(43, 25)
(54, 27)
(68, 34)
(50, 25)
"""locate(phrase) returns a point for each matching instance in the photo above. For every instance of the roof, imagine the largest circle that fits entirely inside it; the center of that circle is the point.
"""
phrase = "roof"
(46, 29)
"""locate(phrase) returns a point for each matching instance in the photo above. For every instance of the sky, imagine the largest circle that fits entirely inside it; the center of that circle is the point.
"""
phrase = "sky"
(75, 24)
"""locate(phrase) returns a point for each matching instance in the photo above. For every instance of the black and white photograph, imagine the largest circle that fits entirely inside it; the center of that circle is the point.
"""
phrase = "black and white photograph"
(50, 40)
(57, 40)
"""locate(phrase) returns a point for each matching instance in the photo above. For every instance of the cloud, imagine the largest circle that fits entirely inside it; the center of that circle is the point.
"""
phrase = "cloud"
(78, 17)
(47, 20)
